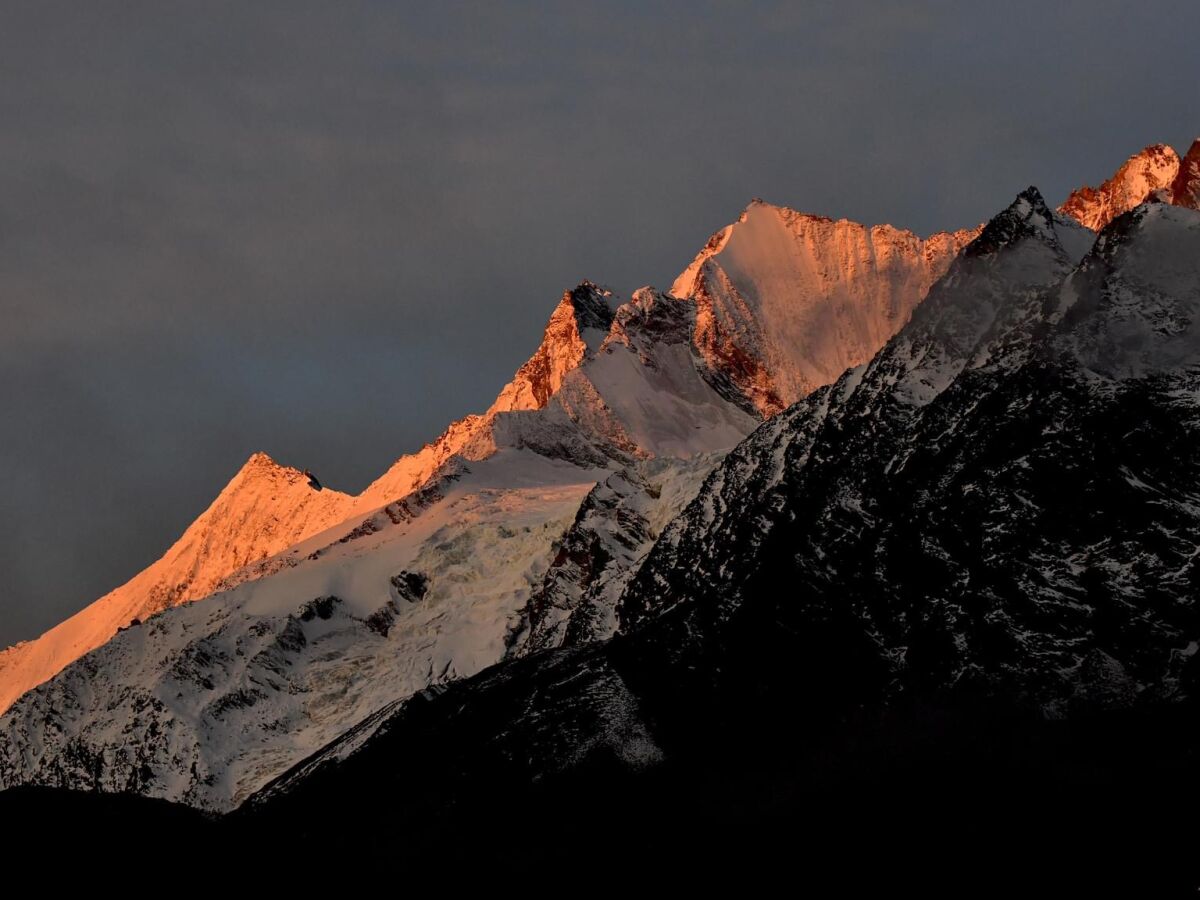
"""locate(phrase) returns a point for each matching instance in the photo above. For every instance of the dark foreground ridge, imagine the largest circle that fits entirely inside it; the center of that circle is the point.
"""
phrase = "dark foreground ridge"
(917, 800)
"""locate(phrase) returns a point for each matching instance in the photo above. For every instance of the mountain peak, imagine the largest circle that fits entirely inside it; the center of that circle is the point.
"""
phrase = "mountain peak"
(787, 301)
(593, 308)
(1026, 217)
(1149, 170)
(577, 327)
(260, 461)
(261, 468)
(263, 509)
(984, 312)
(1032, 205)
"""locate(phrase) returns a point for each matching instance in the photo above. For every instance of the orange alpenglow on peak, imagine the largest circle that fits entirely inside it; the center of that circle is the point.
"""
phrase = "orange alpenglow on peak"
(1153, 169)
(264, 509)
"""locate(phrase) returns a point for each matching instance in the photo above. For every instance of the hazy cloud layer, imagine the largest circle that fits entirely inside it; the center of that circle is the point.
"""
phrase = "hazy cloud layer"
(324, 230)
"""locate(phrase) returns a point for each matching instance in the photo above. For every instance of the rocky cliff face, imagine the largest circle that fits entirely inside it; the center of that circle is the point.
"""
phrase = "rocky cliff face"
(785, 302)
(614, 528)
(1153, 169)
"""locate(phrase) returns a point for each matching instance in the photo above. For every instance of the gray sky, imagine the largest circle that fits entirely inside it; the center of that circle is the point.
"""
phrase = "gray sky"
(326, 230)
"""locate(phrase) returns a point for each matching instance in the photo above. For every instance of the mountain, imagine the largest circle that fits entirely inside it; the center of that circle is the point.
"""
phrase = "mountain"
(589, 530)
(1154, 168)
(515, 530)
(955, 587)
(992, 293)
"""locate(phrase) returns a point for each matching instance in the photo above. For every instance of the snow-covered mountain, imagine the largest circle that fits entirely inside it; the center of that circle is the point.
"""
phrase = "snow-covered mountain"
(464, 552)
(296, 647)
(1027, 531)
(569, 510)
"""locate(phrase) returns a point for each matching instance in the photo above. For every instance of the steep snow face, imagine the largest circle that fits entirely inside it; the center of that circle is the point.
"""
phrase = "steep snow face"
(265, 508)
(1185, 190)
(1153, 169)
(658, 386)
(786, 302)
(205, 702)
